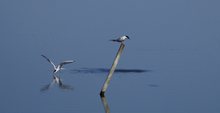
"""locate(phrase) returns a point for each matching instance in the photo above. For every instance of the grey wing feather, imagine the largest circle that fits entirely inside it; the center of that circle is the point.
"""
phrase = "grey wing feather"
(66, 62)
(49, 61)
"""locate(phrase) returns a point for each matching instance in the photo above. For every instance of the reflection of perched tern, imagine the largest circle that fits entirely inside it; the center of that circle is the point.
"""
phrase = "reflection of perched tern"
(59, 66)
(57, 80)
(121, 39)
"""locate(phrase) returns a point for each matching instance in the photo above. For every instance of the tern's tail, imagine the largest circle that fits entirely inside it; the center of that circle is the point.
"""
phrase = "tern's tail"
(114, 40)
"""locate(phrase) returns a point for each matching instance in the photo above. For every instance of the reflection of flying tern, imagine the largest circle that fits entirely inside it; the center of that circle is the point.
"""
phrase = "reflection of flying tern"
(58, 81)
(120, 39)
(59, 66)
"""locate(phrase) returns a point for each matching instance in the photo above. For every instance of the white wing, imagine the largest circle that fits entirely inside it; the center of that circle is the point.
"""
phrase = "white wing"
(54, 66)
(66, 62)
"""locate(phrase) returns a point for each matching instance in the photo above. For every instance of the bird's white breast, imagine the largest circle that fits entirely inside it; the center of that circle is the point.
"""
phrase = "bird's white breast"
(123, 38)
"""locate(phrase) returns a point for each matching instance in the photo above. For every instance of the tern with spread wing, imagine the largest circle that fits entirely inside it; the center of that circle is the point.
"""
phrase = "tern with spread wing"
(59, 66)
(121, 39)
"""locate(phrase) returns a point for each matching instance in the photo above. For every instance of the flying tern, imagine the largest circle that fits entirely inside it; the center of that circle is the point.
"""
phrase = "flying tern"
(59, 66)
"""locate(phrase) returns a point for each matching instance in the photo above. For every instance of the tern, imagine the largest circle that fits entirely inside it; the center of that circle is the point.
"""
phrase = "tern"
(121, 39)
(59, 66)
(58, 81)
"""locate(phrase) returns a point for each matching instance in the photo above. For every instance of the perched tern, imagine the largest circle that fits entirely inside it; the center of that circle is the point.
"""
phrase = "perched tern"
(121, 39)
(59, 66)
(58, 81)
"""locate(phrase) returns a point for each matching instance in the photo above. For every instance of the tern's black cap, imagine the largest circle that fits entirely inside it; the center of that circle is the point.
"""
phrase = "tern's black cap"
(127, 36)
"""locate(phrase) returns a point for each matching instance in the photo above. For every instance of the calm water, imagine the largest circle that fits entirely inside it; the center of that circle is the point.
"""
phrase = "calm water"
(170, 65)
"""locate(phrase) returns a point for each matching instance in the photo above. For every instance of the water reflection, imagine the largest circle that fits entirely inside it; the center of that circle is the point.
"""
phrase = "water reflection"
(106, 70)
(57, 81)
(105, 104)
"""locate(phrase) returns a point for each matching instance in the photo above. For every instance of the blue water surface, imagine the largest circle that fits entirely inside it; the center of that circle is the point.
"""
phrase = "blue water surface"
(170, 65)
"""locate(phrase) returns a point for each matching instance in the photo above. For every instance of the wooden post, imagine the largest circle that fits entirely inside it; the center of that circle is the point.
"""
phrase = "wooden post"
(105, 86)
(105, 104)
